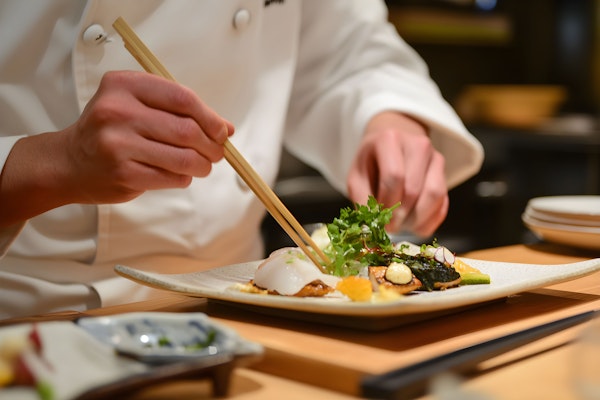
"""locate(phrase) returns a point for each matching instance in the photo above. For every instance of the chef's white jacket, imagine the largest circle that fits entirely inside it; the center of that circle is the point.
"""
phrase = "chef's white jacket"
(307, 74)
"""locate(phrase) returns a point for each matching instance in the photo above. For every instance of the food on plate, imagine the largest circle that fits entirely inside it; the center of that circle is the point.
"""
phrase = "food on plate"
(470, 275)
(365, 264)
(356, 288)
(17, 353)
(380, 276)
(290, 272)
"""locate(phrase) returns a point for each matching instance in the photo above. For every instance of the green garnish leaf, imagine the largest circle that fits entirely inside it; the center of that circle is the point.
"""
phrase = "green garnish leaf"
(358, 238)
(45, 390)
(210, 338)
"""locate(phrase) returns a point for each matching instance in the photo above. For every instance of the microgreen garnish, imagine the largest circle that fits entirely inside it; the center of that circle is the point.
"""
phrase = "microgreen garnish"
(358, 238)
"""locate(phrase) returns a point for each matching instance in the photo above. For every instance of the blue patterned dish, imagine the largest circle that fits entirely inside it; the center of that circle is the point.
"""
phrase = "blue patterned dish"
(159, 338)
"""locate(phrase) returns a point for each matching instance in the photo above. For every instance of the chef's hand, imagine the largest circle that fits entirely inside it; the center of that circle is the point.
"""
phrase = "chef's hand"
(139, 132)
(396, 162)
(142, 132)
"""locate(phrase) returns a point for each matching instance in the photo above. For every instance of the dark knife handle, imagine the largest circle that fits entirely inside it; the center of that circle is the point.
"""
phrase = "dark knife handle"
(411, 381)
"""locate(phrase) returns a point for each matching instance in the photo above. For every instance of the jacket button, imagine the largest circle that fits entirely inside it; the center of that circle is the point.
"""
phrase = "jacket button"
(241, 19)
(94, 35)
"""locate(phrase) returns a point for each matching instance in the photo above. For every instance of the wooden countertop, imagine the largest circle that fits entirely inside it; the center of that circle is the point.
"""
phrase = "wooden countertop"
(313, 359)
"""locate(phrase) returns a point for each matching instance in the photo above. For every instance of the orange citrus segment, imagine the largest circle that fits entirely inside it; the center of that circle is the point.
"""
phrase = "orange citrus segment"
(462, 267)
(357, 289)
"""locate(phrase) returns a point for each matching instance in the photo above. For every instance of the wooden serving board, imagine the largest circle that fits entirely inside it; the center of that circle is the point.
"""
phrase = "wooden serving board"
(337, 358)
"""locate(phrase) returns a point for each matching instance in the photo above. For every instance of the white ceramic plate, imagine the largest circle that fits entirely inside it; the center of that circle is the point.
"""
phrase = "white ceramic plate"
(586, 207)
(562, 220)
(506, 279)
(570, 235)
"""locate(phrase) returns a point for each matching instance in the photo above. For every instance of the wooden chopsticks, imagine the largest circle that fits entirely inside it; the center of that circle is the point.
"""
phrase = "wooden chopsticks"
(266, 195)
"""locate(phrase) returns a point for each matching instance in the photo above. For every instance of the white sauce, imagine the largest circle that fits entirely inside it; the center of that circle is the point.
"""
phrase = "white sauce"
(398, 273)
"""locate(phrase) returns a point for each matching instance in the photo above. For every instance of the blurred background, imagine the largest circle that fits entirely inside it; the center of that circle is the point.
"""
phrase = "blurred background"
(525, 78)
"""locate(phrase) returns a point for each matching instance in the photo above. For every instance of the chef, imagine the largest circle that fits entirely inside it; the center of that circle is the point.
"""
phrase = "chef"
(104, 164)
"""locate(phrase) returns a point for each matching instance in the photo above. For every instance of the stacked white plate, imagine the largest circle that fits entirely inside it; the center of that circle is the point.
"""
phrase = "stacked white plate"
(568, 220)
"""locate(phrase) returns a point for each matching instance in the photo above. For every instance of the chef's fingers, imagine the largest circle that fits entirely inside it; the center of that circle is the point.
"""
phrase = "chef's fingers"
(403, 171)
(175, 131)
(431, 206)
(162, 94)
(363, 172)
(393, 163)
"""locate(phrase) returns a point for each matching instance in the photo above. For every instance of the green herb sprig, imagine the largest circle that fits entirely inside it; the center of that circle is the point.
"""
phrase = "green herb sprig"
(358, 238)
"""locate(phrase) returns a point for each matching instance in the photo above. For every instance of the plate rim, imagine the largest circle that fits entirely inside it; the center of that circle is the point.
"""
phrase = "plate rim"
(530, 220)
(552, 208)
(557, 235)
(546, 218)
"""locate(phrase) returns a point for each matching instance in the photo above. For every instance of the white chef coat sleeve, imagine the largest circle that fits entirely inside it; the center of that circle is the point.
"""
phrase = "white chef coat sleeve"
(9, 233)
(22, 296)
(352, 65)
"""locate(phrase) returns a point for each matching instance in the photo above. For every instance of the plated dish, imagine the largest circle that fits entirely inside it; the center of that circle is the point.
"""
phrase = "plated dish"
(506, 279)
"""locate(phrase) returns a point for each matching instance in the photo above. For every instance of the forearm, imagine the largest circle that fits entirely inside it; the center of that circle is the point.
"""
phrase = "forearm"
(30, 182)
